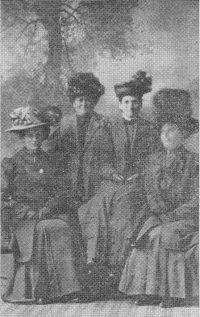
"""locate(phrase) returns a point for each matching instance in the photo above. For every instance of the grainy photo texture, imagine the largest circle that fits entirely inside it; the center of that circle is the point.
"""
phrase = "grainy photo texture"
(99, 158)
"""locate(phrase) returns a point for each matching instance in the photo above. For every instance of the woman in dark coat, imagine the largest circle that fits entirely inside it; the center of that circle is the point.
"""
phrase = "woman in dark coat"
(163, 265)
(118, 209)
(36, 209)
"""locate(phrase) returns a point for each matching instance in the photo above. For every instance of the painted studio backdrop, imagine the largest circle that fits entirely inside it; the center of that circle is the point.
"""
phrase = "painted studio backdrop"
(45, 42)
(99, 155)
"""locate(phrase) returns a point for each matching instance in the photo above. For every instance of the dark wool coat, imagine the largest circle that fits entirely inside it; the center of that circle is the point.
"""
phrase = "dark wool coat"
(172, 194)
(164, 260)
(144, 142)
(31, 181)
(95, 154)
(111, 217)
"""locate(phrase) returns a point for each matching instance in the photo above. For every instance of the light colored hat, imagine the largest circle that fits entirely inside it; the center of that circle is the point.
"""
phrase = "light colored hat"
(25, 118)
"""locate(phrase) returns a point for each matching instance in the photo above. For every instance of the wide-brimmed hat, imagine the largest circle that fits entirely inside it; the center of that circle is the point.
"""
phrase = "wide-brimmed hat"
(174, 106)
(139, 85)
(24, 118)
(85, 84)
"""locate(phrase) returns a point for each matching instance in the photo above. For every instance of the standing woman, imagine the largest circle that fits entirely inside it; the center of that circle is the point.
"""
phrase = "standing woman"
(85, 140)
(37, 211)
(163, 265)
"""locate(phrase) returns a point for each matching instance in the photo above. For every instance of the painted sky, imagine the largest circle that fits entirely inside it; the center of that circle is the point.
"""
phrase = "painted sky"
(172, 28)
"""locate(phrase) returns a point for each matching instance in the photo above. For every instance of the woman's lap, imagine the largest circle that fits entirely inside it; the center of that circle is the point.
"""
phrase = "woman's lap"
(111, 218)
(163, 271)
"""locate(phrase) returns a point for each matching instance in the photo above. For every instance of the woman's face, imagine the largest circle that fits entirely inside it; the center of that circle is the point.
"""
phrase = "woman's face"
(83, 105)
(171, 136)
(130, 106)
(34, 137)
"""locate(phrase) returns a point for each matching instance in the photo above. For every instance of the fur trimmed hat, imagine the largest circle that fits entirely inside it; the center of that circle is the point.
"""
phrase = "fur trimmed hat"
(174, 106)
(85, 84)
(139, 85)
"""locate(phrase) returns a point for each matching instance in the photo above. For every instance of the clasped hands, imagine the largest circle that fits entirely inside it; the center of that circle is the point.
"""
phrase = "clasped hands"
(43, 213)
(116, 177)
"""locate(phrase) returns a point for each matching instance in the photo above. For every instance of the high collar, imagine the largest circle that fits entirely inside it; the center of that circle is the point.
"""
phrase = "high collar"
(175, 156)
(83, 119)
(177, 152)
(36, 152)
(129, 120)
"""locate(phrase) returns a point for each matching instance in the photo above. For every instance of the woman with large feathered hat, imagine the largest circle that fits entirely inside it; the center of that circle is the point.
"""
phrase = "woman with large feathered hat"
(36, 213)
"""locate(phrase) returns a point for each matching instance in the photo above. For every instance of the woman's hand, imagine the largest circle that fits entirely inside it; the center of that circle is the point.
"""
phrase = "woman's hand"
(30, 214)
(9, 204)
(44, 212)
(154, 233)
(132, 178)
(117, 178)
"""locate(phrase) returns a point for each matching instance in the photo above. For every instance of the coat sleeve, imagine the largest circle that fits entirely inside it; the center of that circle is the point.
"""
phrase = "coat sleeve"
(106, 151)
(7, 177)
(187, 211)
(62, 197)
(149, 144)
(190, 209)
(155, 201)
(103, 153)
(11, 210)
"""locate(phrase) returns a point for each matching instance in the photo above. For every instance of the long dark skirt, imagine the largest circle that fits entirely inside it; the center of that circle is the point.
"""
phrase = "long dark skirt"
(154, 269)
(110, 219)
(52, 270)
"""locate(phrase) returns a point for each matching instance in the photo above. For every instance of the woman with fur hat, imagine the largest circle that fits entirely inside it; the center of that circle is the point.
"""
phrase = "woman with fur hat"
(84, 136)
(37, 212)
(163, 264)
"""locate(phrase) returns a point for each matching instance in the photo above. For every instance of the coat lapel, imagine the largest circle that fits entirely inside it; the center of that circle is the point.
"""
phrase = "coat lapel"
(134, 137)
(120, 140)
(68, 128)
(72, 132)
(75, 131)
(93, 127)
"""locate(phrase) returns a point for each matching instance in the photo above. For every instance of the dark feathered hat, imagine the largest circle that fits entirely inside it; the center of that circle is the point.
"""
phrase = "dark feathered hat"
(174, 106)
(85, 84)
(139, 85)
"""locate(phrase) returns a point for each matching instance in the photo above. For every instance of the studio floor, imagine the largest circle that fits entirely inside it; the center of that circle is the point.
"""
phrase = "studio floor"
(95, 309)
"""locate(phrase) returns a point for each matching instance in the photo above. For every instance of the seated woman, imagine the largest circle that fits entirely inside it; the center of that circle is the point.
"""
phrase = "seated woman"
(45, 250)
(163, 264)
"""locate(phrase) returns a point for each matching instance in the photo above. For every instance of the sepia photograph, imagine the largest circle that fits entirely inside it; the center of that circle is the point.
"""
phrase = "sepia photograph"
(99, 158)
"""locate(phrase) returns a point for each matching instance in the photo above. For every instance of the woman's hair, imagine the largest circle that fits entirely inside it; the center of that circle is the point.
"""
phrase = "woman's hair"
(94, 99)
(184, 130)
(126, 94)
